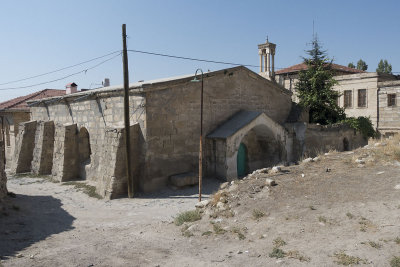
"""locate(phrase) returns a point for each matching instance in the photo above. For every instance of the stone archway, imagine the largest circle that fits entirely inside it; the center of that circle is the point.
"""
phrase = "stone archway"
(267, 142)
(264, 149)
(84, 151)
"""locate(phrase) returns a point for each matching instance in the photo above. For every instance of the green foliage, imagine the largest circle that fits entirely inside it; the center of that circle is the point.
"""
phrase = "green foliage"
(361, 65)
(315, 88)
(277, 253)
(187, 216)
(361, 124)
(384, 67)
(395, 262)
(351, 65)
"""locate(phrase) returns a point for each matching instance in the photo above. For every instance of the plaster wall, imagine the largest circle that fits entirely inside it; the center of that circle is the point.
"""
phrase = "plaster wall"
(3, 177)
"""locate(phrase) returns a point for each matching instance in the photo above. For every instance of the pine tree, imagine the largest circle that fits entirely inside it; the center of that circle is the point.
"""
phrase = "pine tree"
(384, 67)
(361, 65)
(315, 87)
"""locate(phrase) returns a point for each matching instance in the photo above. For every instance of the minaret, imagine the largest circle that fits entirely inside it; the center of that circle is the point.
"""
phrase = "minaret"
(267, 51)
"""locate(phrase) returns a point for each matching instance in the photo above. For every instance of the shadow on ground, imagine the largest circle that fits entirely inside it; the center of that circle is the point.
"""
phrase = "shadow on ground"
(29, 219)
(209, 186)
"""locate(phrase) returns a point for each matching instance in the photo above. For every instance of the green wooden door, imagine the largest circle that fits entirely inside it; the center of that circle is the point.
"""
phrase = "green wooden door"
(242, 160)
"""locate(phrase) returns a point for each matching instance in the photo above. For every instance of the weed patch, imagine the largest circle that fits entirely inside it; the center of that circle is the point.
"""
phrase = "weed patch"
(257, 214)
(344, 259)
(349, 215)
(322, 219)
(237, 231)
(397, 240)
(218, 229)
(279, 242)
(85, 188)
(277, 253)
(294, 254)
(395, 262)
(187, 216)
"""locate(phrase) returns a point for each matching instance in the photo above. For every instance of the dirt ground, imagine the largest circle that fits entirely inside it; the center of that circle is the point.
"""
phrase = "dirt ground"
(343, 208)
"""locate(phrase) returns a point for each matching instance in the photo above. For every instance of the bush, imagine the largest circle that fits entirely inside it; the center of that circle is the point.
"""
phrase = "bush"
(187, 216)
(361, 124)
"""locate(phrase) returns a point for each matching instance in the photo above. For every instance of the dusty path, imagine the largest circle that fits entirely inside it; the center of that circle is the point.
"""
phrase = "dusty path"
(348, 209)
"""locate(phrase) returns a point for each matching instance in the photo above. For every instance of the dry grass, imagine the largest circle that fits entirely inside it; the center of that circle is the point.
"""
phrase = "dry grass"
(344, 259)
(218, 196)
(279, 242)
(257, 214)
(294, 254)
(85, 188)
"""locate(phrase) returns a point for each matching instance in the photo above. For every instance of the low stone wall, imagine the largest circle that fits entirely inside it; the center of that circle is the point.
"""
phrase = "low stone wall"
(3, 177)
(340, 137)
(65, 156)
(24, 146)
(42, 162)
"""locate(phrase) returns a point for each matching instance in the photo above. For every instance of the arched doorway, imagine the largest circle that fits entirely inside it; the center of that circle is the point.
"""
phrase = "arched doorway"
(346, 146)
(242, 168)
(84, 151)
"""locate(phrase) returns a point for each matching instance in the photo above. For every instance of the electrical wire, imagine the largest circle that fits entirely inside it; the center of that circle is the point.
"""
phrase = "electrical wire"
(57, 70)
(64, 77)
(192, 59)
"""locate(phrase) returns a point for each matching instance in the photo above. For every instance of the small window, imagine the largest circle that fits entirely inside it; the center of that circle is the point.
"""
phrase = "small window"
(391, 98)
(362, 98)
(348, 96)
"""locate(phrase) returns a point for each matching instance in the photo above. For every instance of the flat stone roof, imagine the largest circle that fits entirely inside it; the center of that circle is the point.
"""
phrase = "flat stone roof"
(234, 124)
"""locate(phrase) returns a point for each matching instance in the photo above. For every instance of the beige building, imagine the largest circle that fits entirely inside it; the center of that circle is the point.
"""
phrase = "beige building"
(369, 94)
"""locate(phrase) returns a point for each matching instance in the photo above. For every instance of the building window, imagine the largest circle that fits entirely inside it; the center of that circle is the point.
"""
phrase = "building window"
(348, 95)
(362, 98)
(391, 98)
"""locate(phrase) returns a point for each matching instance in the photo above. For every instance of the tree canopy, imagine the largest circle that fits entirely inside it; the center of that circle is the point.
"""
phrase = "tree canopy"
(361, 65)
(351, 65)
(314, 87)
(384, 67)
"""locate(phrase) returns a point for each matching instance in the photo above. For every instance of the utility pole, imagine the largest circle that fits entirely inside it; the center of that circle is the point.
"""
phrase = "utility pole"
(126, 114)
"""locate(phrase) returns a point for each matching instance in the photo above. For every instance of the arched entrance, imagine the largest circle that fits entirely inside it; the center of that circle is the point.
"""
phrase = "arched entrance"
(346, 146)
(84, 151)
(242, 169)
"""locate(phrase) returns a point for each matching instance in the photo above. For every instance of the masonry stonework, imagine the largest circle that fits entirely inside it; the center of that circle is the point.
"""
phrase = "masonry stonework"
(165, 127)
(42, 162)
(25, 143)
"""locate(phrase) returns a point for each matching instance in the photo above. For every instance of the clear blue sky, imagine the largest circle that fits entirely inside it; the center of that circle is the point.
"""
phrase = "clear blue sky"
(41, 36)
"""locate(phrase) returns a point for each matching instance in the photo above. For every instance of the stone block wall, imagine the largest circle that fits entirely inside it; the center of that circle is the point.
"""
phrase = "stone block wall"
(42, 162)
(65, 156)
(389, 116)
(173, 117)
(3, 177)
(113, 181)
(24, 146)
(320, 139)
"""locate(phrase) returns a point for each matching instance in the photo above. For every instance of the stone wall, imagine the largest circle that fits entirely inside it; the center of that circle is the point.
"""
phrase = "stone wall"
(389, 116)
(12, 119)
(42, 162)
(24, 146)
(96, 114)
(319, 139)
(173, 117)
(3, 177)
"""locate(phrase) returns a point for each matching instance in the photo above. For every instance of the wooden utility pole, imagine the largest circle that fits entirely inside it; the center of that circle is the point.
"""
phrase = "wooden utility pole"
(126, 114)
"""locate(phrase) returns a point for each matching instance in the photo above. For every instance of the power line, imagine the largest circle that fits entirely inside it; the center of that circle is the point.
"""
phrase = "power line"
(57, 70)
(192, 59)
(64, 77)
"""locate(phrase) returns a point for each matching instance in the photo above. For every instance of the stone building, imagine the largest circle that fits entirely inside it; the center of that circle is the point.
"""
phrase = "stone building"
(369, 94)
(249, 123)
(15, 111)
